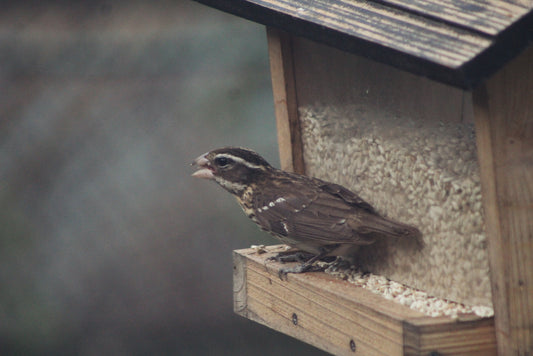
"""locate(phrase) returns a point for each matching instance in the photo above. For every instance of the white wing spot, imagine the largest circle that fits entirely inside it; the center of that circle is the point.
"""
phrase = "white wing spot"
(272, 204)
(285, 227)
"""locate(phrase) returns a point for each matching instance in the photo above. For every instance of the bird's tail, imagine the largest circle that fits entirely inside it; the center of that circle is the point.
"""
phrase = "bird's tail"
(379, 226)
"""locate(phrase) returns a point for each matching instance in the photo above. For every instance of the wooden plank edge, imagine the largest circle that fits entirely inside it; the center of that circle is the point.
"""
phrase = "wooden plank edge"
(466, 335)
(504, 133)
(239, 284)
(285, 101)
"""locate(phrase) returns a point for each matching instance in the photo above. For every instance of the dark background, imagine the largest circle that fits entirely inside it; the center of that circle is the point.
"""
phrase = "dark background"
(107, 245)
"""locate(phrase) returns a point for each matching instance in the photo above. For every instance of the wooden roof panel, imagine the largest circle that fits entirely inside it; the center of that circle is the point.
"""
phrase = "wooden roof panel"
(458, 42)
(407, 33)
(485, 16)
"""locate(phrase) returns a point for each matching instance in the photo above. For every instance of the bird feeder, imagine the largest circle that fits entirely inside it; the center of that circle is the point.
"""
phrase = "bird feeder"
(425, 109)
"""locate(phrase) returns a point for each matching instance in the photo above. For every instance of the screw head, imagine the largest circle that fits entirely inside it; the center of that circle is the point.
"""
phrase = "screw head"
(352, 345)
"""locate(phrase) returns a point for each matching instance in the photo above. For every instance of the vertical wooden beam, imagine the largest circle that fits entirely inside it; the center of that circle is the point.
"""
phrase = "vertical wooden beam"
(503, 109)
(285, 100)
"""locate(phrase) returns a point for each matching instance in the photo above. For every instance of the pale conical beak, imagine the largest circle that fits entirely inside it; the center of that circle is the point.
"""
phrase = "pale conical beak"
(204, 168)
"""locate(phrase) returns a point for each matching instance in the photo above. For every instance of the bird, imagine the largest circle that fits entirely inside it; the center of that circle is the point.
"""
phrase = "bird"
(312, 215)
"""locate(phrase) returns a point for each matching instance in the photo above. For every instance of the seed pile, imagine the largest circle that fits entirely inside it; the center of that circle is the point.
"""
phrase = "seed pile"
(421, 173)
(412, 298)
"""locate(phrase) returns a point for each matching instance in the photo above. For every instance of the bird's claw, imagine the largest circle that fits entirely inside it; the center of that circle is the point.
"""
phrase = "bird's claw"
(304, 267)
(291, 256)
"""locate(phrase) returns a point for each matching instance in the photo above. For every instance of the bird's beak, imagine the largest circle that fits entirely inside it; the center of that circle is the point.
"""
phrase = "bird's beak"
(205, 170)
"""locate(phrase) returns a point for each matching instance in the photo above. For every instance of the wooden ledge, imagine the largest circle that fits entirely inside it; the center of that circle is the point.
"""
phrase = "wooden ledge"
(343, 319)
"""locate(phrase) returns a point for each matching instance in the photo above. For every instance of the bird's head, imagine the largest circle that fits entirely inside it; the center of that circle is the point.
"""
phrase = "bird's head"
(233, 168)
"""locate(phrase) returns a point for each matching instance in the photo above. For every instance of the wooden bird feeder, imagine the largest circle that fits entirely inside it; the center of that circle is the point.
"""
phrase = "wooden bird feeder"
(425, 109)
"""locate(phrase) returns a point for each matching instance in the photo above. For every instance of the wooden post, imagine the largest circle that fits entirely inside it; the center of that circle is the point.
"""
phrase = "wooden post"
(285, 101)
(503, 109)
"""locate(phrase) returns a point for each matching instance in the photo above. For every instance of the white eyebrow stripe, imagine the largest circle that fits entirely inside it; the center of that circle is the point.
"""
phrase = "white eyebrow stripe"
(240, 160)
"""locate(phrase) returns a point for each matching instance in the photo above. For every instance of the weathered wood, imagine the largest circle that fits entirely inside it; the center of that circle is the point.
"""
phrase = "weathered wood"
(285, 101)
(504, 127)
(420, 37)
(489, 17)
(337, 316)
(458, 42)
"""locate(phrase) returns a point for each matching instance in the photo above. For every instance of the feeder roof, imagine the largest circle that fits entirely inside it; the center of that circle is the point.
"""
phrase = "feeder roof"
(458, 42)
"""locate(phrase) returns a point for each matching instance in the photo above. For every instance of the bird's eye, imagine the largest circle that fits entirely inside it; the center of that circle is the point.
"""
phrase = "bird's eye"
(223, 161)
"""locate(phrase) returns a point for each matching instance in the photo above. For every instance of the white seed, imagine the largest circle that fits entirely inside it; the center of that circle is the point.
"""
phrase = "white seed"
(424, 175)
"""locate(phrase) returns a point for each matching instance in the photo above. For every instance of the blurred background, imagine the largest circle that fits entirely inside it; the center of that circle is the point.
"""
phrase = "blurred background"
(107, 245)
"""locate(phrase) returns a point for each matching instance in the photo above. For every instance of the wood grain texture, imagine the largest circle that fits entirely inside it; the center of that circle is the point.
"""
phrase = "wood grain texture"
(285, 101)
(420, 37)
(332, 314)
(489, 17)
(458, 42)
(504, 127)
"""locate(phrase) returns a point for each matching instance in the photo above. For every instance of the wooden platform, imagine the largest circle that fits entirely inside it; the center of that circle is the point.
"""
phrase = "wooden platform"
(343, 319)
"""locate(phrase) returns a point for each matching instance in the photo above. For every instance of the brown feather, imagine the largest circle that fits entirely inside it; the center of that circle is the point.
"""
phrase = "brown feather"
(313, 210)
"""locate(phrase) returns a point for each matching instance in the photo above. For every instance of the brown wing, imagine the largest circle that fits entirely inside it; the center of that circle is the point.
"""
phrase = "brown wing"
(323, 212)
(369, 221)
(306, 212)
(347, 195)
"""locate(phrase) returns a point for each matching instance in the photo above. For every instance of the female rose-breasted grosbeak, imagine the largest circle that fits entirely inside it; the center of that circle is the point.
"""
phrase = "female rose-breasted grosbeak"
(321, 218)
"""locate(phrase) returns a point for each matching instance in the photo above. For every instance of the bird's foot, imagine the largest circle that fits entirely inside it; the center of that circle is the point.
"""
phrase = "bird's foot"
(342, 263)
(307, 266)
(304, 267)
(291, 256)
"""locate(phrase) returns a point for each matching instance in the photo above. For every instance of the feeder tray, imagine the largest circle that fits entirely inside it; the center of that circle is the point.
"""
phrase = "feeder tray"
(343, 319)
